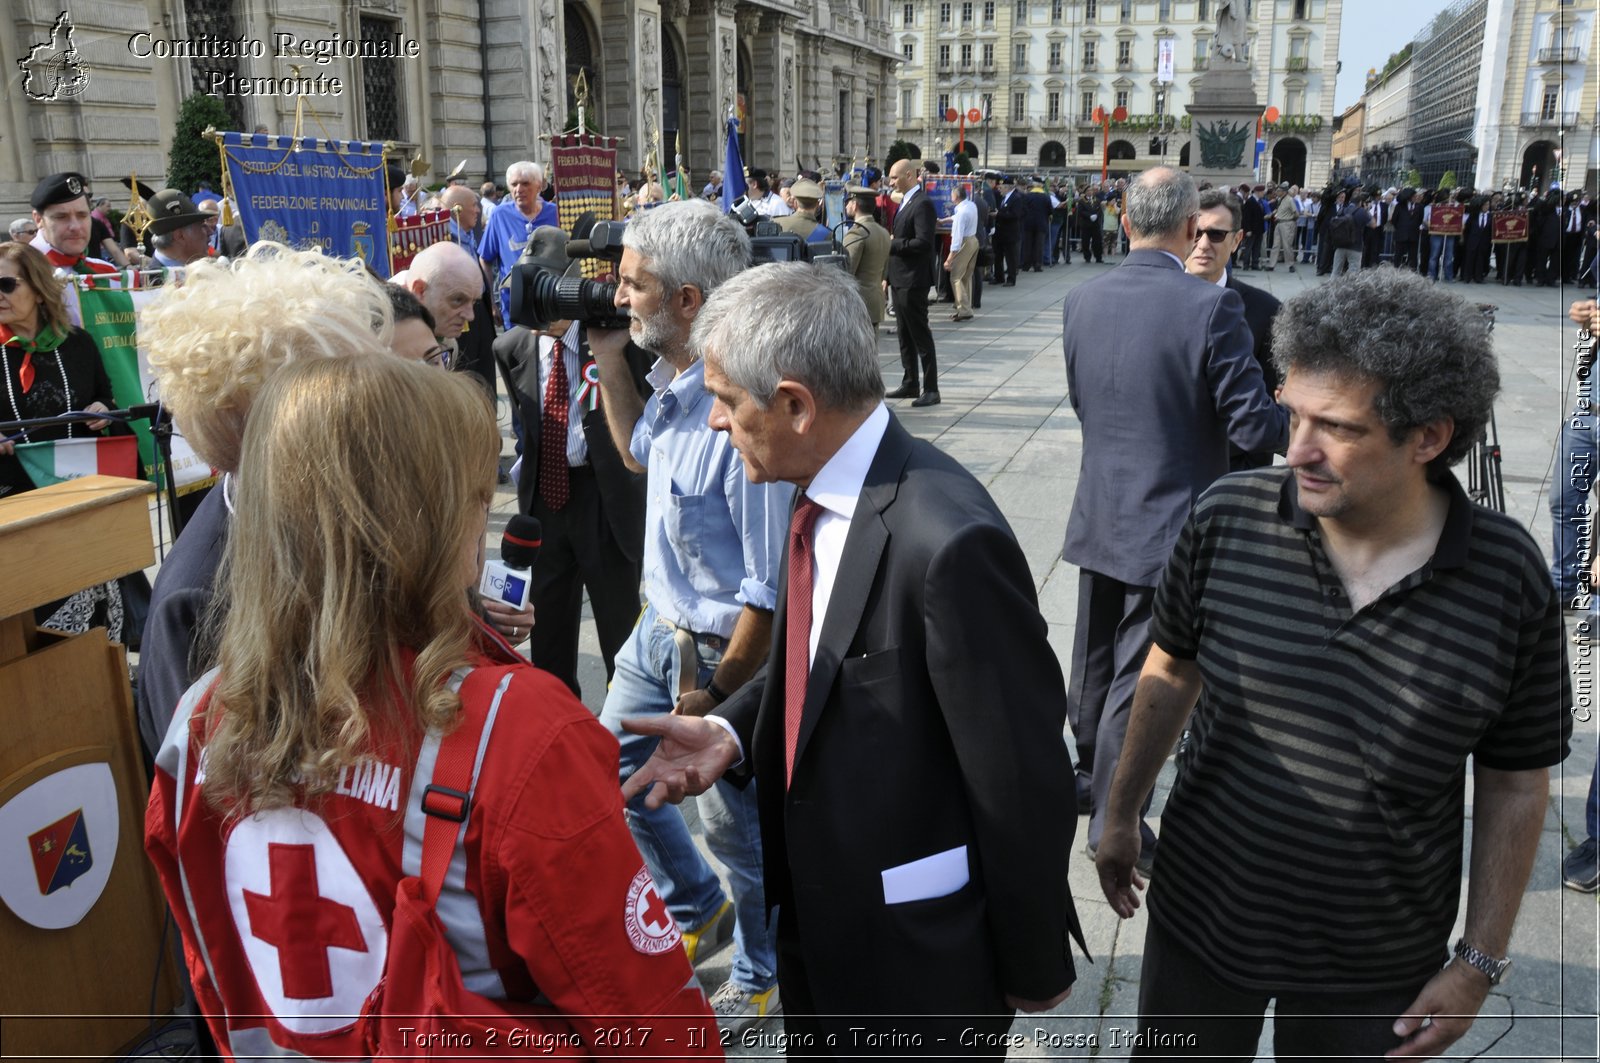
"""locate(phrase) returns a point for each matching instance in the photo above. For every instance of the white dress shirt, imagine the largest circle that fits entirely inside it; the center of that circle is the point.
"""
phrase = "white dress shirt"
(963, 224)
(577, 442)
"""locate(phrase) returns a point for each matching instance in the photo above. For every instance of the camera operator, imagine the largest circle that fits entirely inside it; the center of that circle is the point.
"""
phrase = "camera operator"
(712, 547)
(591, 507)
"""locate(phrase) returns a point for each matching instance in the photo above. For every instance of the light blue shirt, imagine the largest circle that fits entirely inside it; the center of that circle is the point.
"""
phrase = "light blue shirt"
(712, 539)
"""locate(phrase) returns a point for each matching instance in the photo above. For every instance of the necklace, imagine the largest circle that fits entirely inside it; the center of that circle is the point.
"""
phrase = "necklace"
(5, 370)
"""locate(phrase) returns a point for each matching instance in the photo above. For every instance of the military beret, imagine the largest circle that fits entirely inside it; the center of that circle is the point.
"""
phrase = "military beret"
(59, 188)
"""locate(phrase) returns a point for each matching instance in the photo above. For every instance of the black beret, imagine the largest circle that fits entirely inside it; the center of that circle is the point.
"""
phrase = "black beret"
(59, 188)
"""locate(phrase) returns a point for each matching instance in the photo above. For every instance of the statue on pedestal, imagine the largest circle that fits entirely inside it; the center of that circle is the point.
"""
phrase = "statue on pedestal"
(1227, 46)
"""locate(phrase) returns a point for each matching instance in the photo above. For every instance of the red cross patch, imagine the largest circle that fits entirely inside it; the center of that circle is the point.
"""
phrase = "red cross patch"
(651, 928)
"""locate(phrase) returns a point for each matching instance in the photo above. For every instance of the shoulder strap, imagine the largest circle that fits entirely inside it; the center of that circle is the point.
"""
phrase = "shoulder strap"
(447, 800)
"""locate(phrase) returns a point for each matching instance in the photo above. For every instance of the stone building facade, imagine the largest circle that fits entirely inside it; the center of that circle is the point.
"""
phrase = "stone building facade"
(1038, 69)
(487, 80)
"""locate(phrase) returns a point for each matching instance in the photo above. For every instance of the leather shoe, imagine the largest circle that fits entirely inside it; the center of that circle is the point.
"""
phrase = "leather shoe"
(904, 391)
(929, 398)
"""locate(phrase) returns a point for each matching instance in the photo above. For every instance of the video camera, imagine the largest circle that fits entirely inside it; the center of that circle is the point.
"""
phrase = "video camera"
(769, 243)
(540, 295)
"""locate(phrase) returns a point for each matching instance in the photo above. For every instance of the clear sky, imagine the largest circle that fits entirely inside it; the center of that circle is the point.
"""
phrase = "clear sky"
(1372, 31)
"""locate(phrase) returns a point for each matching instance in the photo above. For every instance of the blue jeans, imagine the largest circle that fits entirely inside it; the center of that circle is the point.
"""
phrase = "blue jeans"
(1444, 246)
(646, 684)
(1050, 244)
(1570, 508)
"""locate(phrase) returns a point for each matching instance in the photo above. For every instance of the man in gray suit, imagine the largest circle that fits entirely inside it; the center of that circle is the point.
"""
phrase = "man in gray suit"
(1159, 397)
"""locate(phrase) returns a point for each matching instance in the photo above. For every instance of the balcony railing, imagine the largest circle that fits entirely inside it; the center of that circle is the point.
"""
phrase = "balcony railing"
(1297, 63)
(1550, 119)
(1558, 55)
(1124, 64)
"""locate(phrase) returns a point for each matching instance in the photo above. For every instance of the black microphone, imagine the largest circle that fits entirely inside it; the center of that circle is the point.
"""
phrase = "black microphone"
(510, 579)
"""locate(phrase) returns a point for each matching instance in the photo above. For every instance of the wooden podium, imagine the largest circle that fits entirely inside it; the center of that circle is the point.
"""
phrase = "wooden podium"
(82, 913)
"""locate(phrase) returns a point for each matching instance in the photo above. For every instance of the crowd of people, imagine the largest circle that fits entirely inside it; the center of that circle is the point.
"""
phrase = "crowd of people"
(353, 762)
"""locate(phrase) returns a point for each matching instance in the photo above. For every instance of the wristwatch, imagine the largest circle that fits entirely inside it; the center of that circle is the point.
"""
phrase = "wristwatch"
(1493, 969)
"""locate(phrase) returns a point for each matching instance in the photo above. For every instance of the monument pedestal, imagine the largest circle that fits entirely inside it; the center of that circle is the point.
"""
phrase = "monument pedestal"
(1222, 126)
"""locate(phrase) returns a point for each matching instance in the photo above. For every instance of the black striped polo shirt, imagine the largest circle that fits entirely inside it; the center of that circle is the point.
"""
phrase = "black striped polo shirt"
(1313, 838)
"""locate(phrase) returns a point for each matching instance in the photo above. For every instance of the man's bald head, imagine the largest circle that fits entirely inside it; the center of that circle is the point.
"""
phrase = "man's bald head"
(462, 203)
(1160, 210)
(449, 281)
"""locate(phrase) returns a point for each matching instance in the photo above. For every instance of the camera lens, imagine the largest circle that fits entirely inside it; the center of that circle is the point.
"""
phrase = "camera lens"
(540, 297)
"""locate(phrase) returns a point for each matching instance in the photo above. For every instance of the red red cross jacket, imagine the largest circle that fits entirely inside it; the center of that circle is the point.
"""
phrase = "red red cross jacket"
(286, 914)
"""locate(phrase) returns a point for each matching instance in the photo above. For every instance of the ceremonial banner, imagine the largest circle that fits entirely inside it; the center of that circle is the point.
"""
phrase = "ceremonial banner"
(939, 186)
(585, 177)
(833, 199)
(1446, 219)
(105, 311)
(1509, 226)
(733, 183)
(311, 193)
(67, 459)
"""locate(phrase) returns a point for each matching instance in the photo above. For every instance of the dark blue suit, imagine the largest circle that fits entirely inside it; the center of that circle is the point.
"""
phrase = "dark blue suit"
(1160, 396)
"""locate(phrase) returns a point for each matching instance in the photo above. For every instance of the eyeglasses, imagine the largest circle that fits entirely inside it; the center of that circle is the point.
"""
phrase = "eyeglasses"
(9, 284)
(1216, 236)
(439, 356)
(32, 230)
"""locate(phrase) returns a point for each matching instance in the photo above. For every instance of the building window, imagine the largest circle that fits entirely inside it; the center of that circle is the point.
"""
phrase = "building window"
(908, 15)
(1091, 10)
(845, 139)
(380, 82)
(1202, 51)
(909, 51)
(1296, 101)
(944, 105)
(944, 55)
(908, 104)
(966, 55)
(1055, 55)
(1019, 56)
(1086, 144)
(1127, 10)
(1086, 106)
(872, 121)
(944, 14)
(1022, 12)
(1055, 12)
(1205, 11)
(1122, 98)
(1300, 10)
(986, 102)
(214, 19)
(1547, 108)
(966, 14)
(1164, 11)
(988, 11)
(1019, 104)
(988, 56)
(1088, 54)
(1053, 107)
(1297, 47)
(1161, 104)
(1019, 145)
(1124, 53)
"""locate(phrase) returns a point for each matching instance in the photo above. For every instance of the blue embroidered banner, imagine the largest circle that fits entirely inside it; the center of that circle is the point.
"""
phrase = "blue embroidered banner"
(311, 193)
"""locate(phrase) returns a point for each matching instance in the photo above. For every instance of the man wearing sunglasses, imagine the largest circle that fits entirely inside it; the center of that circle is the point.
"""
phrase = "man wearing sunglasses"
(1159, 397)
(1221, 215)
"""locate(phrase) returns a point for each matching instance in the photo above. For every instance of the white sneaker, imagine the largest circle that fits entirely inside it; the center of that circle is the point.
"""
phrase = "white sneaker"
(739, 1009)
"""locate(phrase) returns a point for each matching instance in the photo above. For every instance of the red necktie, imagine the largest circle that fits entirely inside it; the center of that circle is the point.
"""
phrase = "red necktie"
(797, 621)
(554, 477)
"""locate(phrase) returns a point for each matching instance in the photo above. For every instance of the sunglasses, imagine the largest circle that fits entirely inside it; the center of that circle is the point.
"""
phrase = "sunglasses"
(439, 356)
(9, 284)
(1216, 236)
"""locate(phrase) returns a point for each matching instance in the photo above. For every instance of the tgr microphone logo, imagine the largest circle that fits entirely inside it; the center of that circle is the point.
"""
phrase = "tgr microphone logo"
(509, 587)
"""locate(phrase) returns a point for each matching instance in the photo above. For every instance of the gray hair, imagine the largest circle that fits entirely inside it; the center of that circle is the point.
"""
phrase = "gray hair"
(19, 224)
(1429, 349)
(688, 242)
(1160, 201)
(797, 321)
(533, 169)
(1212, 198)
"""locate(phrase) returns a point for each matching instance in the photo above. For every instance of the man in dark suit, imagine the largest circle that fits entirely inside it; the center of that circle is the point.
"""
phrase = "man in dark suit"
(1255, 223)
(1219, 221)
(590, 506)
(1476, 241)
(1379, 209)
(1007, 232)
(1089, 217)
(1036, 206)
(1159, 405)
(1406, 217)
(913, 269)
(915, 795)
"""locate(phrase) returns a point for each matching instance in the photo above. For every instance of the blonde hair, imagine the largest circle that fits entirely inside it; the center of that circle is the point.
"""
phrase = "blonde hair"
(364, 479)
(214, 341)
(37, 273)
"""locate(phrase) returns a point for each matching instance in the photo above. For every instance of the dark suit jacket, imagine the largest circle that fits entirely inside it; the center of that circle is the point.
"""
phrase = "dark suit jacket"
(1036, 210)
(914, 244)
(1160, 395)
(1475, 235)
(622, 493)
(1008, 217)
(1406, 216)
(1260, 307)
(925, 729)
(1255, 219)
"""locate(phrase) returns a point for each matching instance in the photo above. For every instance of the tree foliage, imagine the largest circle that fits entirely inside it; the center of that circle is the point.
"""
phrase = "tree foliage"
(1448, 180)
(192, 158)
(901, 149)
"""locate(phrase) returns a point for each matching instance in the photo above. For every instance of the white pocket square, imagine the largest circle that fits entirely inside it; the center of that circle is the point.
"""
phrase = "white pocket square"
(933, 876)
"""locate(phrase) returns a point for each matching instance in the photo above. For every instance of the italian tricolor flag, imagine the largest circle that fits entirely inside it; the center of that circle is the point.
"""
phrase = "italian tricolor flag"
(68, 459)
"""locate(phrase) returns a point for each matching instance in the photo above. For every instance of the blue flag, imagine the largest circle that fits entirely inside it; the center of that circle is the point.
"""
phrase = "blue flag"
(733, 185)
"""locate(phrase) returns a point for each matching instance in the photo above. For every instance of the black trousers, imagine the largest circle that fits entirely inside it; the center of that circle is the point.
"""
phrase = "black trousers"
(1034, 238)
(1092, 243)
(1405, 254)
(579, 553)
(916, 338)
(1109, 646)
(1186, 1012)
(1007, 252)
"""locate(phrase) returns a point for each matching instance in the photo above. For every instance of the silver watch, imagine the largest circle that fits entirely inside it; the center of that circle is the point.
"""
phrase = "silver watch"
(1493, 969)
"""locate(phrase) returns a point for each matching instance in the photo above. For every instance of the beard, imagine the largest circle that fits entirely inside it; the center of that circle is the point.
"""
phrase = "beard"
(654, 333)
